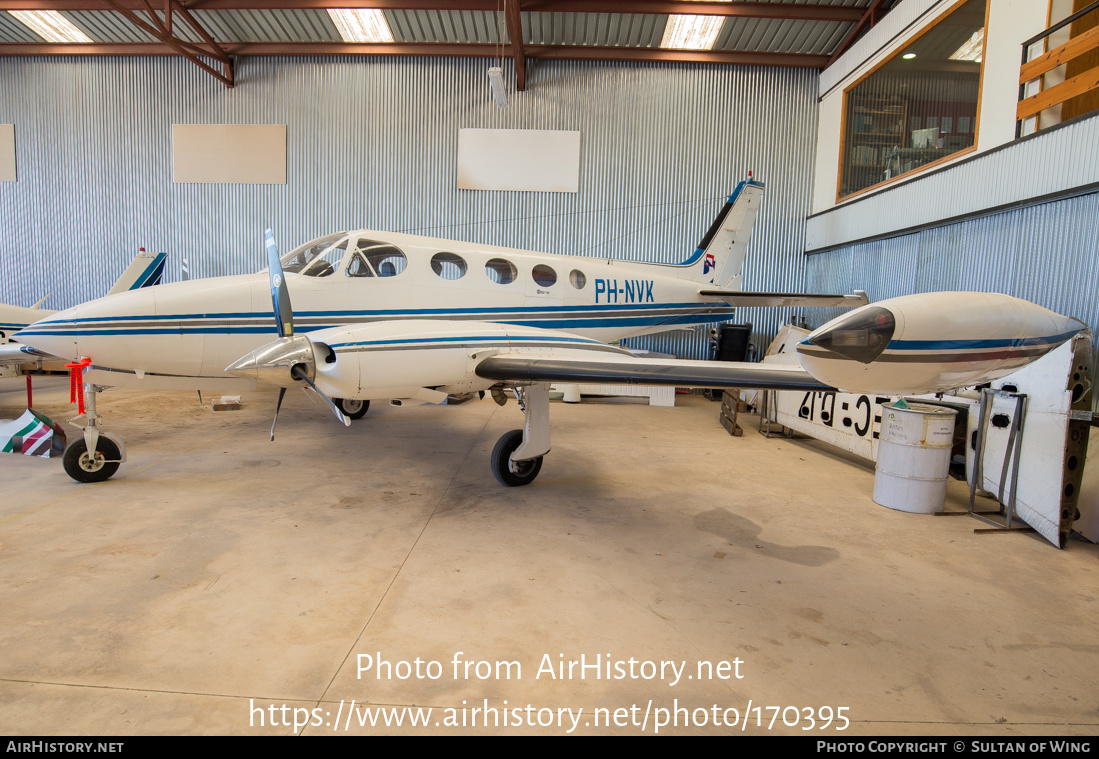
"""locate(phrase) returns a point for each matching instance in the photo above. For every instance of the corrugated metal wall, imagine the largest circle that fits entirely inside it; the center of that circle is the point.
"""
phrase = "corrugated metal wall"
(372, 143)
(1046, 253)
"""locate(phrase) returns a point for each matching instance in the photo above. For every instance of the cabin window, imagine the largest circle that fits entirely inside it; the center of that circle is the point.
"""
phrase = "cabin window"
(359, 267)
(317, 258)
(544, 276)
(917, 109)
(376, 259)
(500, 271)
(577, 279)
(448, 265)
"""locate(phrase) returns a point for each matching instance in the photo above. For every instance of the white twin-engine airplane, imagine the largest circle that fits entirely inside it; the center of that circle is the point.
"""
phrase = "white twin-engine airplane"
(410, 319)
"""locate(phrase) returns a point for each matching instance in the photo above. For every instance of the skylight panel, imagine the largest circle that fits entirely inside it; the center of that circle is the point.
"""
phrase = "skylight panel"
(50, 26)
(361, 24)
(972, 48)
(692, 32)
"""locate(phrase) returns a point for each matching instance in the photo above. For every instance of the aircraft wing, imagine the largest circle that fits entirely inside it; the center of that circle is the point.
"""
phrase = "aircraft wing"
(806, 300)
(633, 370)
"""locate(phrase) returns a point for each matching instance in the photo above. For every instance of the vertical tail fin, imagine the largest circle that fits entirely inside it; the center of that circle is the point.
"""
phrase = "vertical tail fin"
(719, 256)
(144, 271)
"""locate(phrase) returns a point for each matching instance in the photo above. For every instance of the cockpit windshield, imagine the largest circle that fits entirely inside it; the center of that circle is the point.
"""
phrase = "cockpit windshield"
(317, 258)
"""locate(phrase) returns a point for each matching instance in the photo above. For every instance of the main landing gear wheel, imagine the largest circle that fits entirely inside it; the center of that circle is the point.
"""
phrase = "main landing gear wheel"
(83, 467)
(352, 409)
(513, 473)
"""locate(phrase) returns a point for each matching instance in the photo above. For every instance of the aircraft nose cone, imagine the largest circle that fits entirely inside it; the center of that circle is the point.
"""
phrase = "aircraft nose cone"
(246, 367)
(55, 335)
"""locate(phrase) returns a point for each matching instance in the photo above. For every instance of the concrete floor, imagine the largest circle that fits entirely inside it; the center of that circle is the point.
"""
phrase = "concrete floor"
(220, 574)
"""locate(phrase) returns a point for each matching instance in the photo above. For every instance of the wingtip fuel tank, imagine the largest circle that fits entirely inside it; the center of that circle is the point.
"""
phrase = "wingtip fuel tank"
(932, 341)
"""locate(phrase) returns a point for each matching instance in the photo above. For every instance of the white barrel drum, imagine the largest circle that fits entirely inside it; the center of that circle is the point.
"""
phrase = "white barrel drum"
(914, 457)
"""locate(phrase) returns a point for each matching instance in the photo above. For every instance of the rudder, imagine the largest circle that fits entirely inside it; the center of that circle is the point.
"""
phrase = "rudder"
(720, 255)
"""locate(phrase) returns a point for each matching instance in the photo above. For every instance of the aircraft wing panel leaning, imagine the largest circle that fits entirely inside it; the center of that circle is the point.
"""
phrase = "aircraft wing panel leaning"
(625, 369)
(804, 300)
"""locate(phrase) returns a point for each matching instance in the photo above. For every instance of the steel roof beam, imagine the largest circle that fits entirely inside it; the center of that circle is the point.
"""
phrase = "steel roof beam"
(734, 9)
(573, 52)
(870, 17)
(515, 33)
(161, 31)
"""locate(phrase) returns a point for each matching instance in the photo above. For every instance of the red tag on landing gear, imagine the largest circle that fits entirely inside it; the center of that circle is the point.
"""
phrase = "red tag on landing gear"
(76, 382)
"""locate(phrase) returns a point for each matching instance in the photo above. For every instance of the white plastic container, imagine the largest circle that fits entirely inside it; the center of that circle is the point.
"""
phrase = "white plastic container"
(914, 458)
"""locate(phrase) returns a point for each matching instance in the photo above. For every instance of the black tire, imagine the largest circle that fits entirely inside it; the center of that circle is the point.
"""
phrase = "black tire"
(84, 468)
(501, 462)
(352, 409)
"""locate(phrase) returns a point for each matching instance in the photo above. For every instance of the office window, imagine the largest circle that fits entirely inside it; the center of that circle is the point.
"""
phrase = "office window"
(918, 108)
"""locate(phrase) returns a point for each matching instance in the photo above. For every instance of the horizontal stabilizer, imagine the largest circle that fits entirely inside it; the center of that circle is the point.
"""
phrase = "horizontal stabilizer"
(644, 371)
(16, 353)
(804, 300)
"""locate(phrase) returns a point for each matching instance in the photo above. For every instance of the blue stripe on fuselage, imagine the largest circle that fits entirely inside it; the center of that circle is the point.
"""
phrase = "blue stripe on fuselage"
(547, 318)
(977, 344)
(427, 313)
(938, 346)
(471, 338)
(639, 321)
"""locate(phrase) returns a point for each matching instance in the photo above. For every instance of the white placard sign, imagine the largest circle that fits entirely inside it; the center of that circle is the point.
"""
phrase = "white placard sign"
(532, 160)
(229, 153)
(7, 152)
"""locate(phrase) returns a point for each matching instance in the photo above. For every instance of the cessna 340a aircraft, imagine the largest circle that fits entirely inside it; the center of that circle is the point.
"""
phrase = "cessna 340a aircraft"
(411, 319)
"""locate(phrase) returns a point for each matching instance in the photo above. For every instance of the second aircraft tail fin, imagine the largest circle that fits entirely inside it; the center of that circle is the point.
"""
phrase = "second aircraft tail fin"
(144, 271)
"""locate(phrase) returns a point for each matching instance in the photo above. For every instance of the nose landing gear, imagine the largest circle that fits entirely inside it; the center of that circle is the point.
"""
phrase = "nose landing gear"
(95, 456)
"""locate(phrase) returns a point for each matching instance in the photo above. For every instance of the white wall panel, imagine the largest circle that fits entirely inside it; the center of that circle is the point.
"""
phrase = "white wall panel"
(229, 153)
(520, 160)
(7, 153)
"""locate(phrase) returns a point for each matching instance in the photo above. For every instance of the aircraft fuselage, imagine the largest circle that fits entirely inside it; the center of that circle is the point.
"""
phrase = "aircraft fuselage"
(183, 335)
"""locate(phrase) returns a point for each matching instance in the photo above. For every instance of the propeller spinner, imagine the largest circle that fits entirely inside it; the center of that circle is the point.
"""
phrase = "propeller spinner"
(288, 359)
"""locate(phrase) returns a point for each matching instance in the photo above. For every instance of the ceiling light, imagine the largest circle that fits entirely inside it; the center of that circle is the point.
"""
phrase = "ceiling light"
(50, 26)
(908, 56)
(361, 25)
(496, 81)
(972, 48)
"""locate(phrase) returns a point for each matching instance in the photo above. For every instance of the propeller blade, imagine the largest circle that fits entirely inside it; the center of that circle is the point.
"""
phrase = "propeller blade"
(280, 296)
(297, 372)
(282, 392)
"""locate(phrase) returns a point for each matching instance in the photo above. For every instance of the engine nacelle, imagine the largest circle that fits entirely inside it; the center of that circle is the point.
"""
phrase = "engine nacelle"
(931, 342)
(398, 359)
